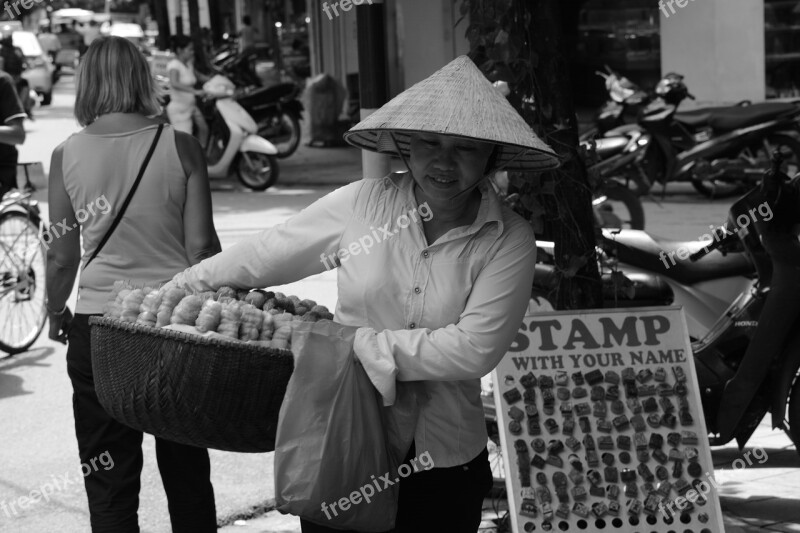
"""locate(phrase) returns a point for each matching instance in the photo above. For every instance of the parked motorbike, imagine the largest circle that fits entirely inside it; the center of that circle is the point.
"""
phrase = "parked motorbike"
(740, 291)
(620, 159)
(720, 150)
(277, 110)
(741, 294)
(233, 140)
(625, 101)
(614, 204)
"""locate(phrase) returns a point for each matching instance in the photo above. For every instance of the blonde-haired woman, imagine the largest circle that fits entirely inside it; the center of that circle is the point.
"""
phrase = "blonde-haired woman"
(166, 228)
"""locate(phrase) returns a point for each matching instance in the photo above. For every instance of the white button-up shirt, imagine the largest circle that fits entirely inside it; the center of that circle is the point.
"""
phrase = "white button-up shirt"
(442, 313)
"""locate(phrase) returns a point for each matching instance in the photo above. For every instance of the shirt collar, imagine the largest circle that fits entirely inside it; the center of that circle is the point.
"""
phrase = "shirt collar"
(490, 211)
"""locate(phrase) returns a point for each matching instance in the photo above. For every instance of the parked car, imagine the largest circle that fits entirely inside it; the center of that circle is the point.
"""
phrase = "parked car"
(39, 67)
(129, 30)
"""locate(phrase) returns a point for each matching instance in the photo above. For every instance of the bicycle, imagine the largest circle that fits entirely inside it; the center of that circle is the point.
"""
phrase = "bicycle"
(22, 272)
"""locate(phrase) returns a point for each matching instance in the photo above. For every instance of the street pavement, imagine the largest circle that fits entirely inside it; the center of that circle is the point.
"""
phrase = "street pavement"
(38, 444)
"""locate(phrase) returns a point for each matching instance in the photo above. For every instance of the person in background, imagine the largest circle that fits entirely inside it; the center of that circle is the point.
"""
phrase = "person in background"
(182, 108)
(90, 32)
(12, 132)
(69, 37)
(247, 35)
(167, 228)
(207, 39)
(12, 61)
(51, 44)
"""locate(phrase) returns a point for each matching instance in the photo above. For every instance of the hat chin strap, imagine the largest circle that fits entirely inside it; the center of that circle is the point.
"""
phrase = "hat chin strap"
(405, 162)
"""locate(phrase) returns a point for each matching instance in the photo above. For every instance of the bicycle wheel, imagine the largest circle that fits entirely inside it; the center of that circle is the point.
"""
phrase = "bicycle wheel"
(22, 283)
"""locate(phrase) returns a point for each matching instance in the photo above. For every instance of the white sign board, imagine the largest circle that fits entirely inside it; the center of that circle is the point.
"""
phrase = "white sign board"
(602, 427)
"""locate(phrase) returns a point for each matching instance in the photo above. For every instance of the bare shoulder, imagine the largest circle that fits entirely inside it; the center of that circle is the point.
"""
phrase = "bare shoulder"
(189, 152)
(59, 150)
(57, 156)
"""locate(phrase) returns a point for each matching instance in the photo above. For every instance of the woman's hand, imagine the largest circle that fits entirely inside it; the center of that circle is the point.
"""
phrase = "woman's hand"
(59, 325)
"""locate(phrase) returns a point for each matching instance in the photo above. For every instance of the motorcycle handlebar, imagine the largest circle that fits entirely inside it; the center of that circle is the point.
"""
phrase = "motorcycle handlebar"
(771, 183)
(720, 237)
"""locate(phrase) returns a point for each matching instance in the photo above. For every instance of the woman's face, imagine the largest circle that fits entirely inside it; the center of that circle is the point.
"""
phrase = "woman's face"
(443, 166)
(187, 53)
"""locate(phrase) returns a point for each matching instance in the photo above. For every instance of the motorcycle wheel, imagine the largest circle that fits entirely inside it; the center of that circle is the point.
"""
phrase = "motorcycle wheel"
(622, 208)
(257, 171)
(284, 132)
(794, 415)
(762, 155)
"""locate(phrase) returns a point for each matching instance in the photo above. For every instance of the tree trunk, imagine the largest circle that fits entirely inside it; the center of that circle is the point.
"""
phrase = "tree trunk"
(573, 230)
(216, 22)
(274, 42)
(162, 19)
(200, 58)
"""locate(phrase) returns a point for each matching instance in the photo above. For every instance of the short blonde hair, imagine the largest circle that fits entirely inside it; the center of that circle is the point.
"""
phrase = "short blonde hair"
(114, 77)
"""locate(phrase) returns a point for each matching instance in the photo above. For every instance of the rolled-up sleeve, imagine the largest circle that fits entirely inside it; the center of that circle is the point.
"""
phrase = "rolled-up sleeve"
(302, 246)
(475, 344)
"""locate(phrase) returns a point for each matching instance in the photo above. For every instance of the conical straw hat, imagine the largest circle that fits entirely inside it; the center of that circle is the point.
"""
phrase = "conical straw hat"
(456, 100)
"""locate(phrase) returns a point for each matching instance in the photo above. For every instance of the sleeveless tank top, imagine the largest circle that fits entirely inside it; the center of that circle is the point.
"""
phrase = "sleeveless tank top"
(147, 246)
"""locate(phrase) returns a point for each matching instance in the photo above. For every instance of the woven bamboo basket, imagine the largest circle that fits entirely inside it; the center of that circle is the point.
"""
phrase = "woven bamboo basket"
(210, 393)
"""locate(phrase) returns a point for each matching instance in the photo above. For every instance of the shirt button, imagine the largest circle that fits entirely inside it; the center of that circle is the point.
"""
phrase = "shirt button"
(425, 253)
(417, 290)
(412, 326)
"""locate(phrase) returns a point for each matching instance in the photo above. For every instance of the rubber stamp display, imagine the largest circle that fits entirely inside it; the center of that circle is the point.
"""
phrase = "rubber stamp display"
(602, 426)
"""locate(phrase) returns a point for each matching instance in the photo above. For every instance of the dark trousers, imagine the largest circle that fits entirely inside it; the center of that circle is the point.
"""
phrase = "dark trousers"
(8, 179)
(437, 500)
(114, 492)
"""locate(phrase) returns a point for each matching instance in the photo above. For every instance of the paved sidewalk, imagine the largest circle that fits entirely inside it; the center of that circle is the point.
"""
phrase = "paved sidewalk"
(763, 496)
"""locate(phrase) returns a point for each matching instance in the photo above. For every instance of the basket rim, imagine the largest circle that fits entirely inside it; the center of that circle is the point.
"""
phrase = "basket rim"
(184, 337)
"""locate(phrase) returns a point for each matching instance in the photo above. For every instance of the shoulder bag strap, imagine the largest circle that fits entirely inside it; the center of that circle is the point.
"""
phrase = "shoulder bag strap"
(124, 206)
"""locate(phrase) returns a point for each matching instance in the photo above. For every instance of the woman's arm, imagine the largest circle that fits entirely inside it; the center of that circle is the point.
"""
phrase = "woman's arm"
(282, 254)
(12, 132)
(476, 344)
(63, 248)
(201, 239)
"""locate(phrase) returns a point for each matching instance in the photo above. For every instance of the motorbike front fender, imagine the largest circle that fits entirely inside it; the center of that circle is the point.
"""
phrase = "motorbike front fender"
(254, 143)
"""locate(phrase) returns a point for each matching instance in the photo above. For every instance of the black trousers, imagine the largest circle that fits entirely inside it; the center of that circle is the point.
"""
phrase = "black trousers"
(437, 500)
(8, 179)
(114, 492)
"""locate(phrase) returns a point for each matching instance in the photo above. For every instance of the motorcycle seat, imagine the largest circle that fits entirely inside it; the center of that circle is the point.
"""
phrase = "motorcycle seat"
(695, 118)
(610, 146)
(660, 256)
(732, 117)
(273, 93)
(741, 117)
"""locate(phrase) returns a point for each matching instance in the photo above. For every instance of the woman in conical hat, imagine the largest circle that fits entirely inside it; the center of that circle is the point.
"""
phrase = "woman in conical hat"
(433, 270)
